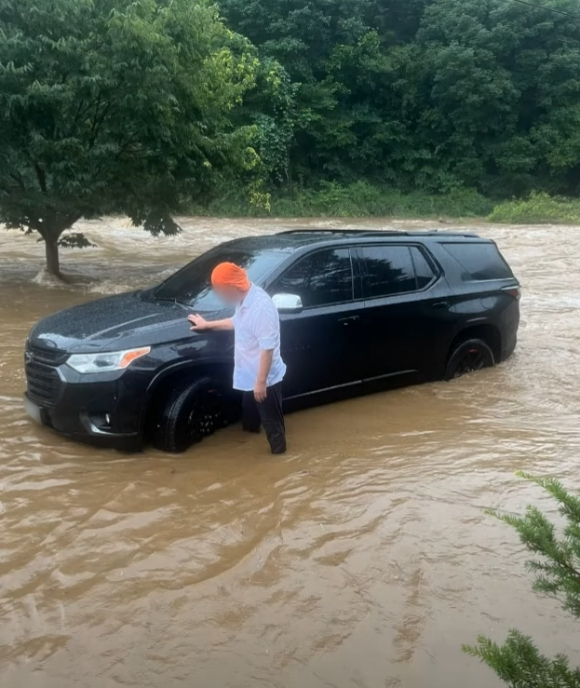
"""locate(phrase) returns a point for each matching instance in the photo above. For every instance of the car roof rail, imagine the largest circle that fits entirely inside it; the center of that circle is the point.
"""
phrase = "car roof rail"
(354, 231)
(380, 232)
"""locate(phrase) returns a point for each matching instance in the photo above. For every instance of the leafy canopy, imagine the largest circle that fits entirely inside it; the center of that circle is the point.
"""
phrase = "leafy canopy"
(429, 94)
(117, 106)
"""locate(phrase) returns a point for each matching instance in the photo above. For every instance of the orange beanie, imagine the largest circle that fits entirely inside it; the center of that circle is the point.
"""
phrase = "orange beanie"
(230, 275)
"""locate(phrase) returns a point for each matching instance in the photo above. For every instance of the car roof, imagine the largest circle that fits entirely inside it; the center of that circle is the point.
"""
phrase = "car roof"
(292, 240)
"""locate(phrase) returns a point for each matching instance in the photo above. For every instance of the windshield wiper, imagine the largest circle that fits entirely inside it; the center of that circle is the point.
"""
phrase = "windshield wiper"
(184, 305)
(171, 299)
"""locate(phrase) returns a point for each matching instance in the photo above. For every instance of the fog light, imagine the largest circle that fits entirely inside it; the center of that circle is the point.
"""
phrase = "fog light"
(101, 420)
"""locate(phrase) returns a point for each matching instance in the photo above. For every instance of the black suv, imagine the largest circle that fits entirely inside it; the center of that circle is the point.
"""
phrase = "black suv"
(359, 310)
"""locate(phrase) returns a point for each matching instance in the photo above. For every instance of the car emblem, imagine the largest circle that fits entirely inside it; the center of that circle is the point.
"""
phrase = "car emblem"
(28, 357)
(48, 343)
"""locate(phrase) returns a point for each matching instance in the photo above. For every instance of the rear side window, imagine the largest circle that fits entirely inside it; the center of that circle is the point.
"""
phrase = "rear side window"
(321, 279)
(479, 261)
(389, 270)
(423, 270)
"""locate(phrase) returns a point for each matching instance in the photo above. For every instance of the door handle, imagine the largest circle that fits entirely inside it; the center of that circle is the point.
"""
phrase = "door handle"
(348, 319)
(441, 304)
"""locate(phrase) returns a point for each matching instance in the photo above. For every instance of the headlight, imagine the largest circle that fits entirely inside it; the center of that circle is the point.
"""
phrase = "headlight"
(103, 363)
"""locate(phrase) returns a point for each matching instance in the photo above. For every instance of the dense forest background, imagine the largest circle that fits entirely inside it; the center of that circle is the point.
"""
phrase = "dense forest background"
(409, 108)
(430, 95)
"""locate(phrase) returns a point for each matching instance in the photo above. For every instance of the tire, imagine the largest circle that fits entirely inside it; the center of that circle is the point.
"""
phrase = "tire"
(467, 357)
(190, 413)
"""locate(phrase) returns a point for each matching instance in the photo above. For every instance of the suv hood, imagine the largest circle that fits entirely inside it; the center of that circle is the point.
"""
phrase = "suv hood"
(113, 323)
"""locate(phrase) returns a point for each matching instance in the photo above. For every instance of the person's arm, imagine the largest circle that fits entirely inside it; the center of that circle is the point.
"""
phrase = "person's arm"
(261, 384)
(198, 323)
(267, 331)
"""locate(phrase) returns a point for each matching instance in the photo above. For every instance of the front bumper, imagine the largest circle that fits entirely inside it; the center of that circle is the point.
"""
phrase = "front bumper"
(81, 427)
(104, 410)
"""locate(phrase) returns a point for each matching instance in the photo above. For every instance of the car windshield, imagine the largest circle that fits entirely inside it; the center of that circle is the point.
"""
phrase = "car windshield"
(191, 285)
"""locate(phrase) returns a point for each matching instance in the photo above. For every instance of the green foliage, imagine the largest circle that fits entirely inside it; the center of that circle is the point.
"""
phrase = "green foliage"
(503, 93)
(117, 106)
(557, 573)
(539, 208)
(424, 94)
(271, 108)
(75, 240)
(330, 107)
(519, 664)
(360, 199)
(336, 53)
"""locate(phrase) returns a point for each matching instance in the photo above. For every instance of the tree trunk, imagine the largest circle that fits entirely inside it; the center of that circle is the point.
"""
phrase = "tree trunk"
(52, 259)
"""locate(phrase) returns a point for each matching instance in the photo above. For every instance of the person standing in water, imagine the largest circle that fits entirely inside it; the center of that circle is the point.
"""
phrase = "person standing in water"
(258, 366)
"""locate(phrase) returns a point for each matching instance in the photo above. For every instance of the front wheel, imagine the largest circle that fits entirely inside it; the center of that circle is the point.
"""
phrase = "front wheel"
(188, 414)
(467, 357)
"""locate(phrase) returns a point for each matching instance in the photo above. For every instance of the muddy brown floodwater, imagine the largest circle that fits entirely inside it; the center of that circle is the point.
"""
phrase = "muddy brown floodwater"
(361, 559)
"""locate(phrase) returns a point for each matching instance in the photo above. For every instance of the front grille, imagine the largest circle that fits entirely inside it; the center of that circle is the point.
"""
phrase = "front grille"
(51, 357)
(43, 381)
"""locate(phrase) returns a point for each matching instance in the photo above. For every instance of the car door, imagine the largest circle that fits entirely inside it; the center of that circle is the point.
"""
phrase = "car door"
(406, 310)
(319, 343)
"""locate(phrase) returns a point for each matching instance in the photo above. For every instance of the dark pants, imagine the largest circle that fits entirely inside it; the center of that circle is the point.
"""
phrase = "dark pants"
(269, 414)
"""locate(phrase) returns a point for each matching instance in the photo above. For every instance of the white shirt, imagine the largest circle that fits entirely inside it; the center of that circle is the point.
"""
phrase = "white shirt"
(256, 328)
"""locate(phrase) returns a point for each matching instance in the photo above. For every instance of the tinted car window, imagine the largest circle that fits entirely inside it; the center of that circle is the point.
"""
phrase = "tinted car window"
(423, 270)
(321, 279)
(479, 261)
(389, 270)
(191, 285)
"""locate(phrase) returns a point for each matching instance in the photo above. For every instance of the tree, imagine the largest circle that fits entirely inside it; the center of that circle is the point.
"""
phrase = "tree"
(429, 94)
(518, 662)
(116, 106)
(271, 108)
(499, 94)
(345, 114)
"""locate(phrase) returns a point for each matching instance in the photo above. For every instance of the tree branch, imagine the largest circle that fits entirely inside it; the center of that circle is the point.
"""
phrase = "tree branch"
(71, 219)
(96, 127)
(76, 117)
(97, 106)
(41, 177)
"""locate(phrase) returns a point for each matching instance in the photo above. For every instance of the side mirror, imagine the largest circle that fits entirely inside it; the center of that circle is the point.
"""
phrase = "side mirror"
(287, 303)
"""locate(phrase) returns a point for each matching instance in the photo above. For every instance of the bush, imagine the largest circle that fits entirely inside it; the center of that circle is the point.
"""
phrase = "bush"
(517, 662)
(360, 199)
(539, 208)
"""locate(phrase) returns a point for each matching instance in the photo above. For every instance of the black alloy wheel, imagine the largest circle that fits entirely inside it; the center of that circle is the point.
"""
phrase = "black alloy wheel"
(190, 413)
(468, 357)
(204, 417)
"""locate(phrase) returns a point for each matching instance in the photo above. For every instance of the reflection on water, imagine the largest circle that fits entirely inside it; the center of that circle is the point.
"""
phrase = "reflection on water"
(361, 559)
